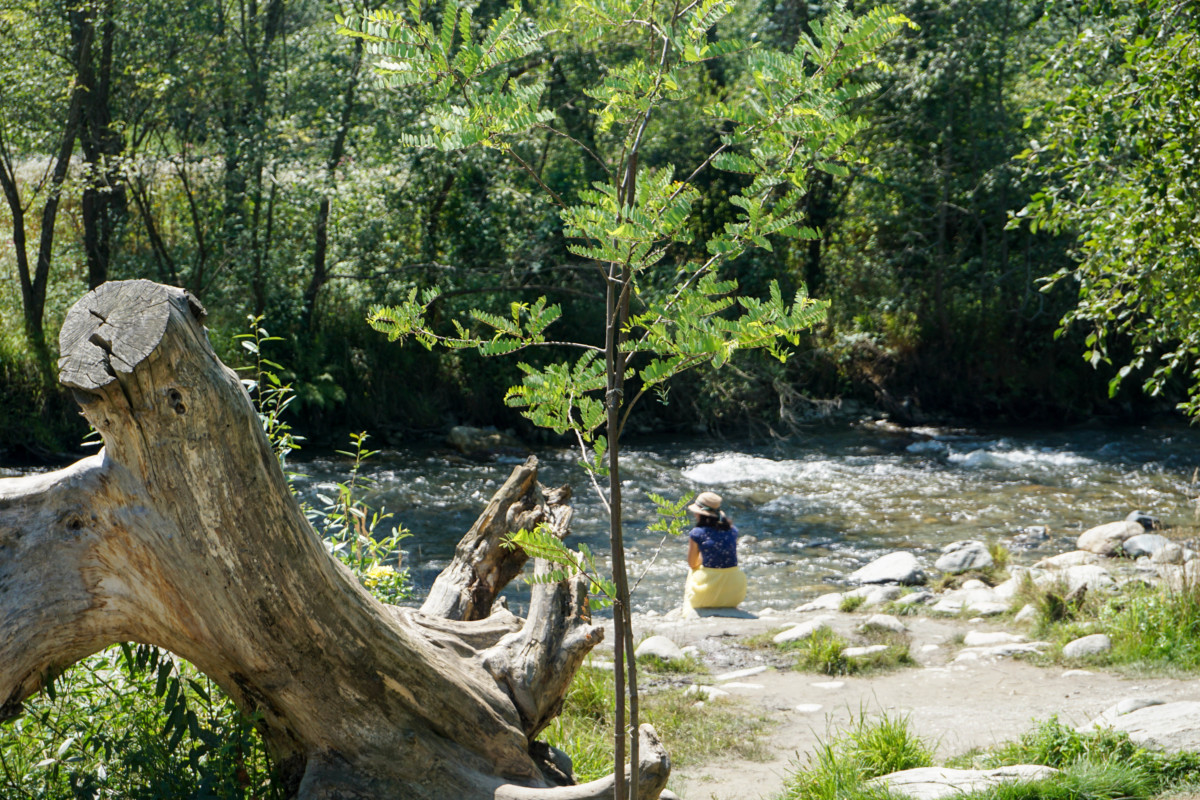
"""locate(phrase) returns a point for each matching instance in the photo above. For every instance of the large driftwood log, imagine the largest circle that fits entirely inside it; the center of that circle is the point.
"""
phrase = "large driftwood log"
(482, 565)
(182, 533)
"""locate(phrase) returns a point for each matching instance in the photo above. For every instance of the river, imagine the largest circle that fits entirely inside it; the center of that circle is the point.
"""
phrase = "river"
(812, 508)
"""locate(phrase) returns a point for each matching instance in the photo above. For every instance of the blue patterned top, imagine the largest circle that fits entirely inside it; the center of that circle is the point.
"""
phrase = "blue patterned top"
(718, 546)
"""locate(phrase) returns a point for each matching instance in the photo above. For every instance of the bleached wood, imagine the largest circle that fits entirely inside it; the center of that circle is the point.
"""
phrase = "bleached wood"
(182, 533)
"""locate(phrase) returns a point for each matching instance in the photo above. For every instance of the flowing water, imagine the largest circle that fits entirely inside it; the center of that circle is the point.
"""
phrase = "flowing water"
(816, 507)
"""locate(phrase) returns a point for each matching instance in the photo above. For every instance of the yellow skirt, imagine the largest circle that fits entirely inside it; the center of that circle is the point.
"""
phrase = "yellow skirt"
(715, 588)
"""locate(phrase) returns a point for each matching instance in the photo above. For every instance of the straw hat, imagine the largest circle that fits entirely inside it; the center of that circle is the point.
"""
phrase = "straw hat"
(707, 504)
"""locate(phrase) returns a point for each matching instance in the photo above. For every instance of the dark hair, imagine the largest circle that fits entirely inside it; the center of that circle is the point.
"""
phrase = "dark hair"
(719, 520)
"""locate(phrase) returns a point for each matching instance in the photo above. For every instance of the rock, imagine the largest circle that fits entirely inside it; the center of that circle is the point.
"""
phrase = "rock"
(1145, 544)
(960, 557)
(482, 441)
(863, 652)
(1110, 714)
(740, 673)
(1027, 614)
(828, 685)
(988, 608)
(878, 595)
(990, 638)
(767, 612)
(1006, 650)
(1075, 558)
(1147, 522)
(809, 708)
(975, 585)
(659, 647)
(883, 622)
(899, 567)
(1170, 727)
(826, 602)
(1007, 590)
(706, 692)
(1107, 539)
(947, 605)
(1092, 577)
(933, 783)
(1170, 553)
(1092, 645)
(803, 631)
(1030, 537)
(916, 598)
(1077, 673)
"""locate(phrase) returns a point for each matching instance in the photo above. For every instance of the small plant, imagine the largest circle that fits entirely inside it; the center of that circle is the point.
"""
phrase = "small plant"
(350, 528)
(822, 652)
(268, 391)
(688, 665)
(851, 602)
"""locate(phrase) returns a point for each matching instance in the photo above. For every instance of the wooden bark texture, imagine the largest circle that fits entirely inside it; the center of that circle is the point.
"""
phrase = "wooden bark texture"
(183, 533)
(482, 565)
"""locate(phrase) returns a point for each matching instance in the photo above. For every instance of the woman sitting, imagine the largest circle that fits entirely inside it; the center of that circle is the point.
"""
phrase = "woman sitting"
(715, 579)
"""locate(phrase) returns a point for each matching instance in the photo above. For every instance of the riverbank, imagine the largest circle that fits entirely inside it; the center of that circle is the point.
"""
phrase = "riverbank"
(978, 665)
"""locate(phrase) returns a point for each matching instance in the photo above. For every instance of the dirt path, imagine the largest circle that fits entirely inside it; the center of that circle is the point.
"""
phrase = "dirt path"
(955, 706)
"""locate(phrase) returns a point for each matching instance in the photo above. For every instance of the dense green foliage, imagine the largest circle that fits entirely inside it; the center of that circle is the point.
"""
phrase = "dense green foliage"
(1117, 155)
(236, 154)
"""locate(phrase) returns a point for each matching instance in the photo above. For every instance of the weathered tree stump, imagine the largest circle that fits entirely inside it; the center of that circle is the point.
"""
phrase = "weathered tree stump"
(182, 533)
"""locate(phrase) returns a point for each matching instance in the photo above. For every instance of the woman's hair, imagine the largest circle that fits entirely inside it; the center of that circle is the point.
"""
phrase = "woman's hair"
(719, 520)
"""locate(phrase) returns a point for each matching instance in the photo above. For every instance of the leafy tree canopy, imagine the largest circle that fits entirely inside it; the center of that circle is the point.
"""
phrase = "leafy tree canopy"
(1118, 157)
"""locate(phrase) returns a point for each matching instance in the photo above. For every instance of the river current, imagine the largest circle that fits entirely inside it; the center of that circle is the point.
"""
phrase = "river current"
(813, 508)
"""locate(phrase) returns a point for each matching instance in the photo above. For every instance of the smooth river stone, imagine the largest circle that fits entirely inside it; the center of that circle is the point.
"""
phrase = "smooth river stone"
(799, 633)
(898, 567)
(934, 783)
(959, 557)
(1106, 540)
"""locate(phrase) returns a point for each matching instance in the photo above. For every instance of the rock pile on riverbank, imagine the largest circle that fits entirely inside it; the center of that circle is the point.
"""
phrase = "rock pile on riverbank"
(965, 688)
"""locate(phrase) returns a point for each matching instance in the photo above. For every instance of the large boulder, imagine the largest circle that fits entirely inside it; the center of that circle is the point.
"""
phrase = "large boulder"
(659, 647)
(1147, 522)
(899, 567)
(959, 557)
(934, 783)
(1093, 577)
(1170, 727)
(1108, 539)
(1144, 544)
(1086, 646)
(1074, 558)
(801, 632)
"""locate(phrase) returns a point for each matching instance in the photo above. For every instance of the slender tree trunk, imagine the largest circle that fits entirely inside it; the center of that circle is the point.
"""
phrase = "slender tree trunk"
(320, 273)
(104, 202)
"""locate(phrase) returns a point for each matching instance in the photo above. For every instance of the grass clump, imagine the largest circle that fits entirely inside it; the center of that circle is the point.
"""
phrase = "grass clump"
(851, 602)
(1096, 765)
(1156, 629)
(688, 665)
(824, 652)
(691, 733)
(841, 767)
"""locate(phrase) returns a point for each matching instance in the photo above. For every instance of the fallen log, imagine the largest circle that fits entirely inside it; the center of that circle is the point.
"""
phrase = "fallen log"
(182, 533)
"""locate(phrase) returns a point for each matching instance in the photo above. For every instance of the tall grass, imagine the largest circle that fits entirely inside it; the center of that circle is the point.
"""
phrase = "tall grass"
(690, 731)
(1155, 629)
(841, 766)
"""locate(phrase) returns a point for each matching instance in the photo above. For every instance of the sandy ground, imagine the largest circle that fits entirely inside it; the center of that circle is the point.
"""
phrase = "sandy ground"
(956, 707)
